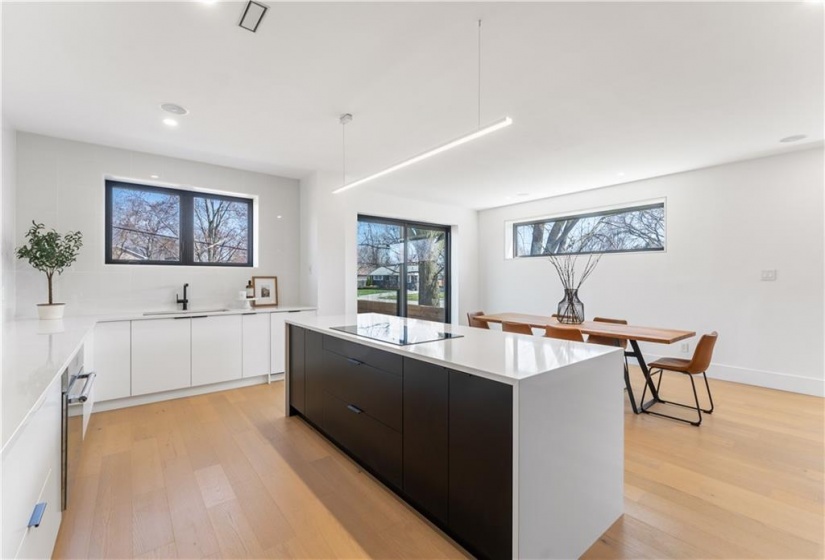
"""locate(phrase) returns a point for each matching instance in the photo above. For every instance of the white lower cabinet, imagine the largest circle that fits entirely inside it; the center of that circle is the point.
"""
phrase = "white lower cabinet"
(216, 349)
(112, 362)
(31, 475)
(256, 344)
(161, 355)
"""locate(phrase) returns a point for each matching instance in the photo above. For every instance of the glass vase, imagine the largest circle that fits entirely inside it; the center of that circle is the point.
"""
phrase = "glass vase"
(571, 308)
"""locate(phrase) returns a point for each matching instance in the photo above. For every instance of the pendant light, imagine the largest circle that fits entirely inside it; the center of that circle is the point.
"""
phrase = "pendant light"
(469, 137)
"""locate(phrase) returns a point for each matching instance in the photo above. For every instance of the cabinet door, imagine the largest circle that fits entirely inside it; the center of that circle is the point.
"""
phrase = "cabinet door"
(31, 468)
(256, 344)
(297, 387)
(426, 436)
(216, 349)
(161, 355)
(481, 464)
(112, 347)
(277, 335)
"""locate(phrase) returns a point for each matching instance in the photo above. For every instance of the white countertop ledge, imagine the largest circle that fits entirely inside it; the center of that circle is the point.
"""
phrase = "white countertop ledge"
(505, 357)
(34, 353)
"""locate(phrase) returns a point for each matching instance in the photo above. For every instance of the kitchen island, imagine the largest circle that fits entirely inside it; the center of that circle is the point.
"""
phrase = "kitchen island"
(511, 444)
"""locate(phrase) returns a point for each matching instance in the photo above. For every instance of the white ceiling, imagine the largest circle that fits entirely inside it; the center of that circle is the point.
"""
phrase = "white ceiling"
(595, 90)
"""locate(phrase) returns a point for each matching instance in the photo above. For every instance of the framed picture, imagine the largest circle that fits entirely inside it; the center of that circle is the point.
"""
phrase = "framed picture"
(266, 291)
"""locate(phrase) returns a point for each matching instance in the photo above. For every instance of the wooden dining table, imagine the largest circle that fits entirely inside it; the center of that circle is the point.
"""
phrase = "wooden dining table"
(631, 333)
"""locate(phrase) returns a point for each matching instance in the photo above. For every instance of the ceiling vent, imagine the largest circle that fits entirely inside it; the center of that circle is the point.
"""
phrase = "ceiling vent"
(252, 16)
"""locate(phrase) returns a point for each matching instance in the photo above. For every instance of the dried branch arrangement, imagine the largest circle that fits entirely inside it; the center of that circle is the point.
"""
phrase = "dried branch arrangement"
(566, 268)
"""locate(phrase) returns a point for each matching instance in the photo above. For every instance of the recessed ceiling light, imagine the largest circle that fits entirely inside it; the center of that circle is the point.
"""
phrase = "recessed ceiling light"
(620, 174)
(154, 176)
(170, 122)
(279, 217)
(174, 108)
(794, 138)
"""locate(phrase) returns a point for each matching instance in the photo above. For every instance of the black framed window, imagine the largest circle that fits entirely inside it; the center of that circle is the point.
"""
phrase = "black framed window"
(403, 268)
(158, 225)
(622, 230)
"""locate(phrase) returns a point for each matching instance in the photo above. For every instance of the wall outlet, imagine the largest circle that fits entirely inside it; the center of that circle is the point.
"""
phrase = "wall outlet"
(684, 347)
(769, 275)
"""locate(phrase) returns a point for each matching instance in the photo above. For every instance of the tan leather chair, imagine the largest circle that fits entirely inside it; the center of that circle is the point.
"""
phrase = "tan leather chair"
(519, 328)
(473, 322)
(610, 341)
(699, 363)
(563, 333)
(607, 340)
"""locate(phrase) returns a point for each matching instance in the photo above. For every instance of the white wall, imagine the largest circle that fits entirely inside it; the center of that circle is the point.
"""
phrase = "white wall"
(329, 239)
(61, 183)
(7, 195)
(725, 225)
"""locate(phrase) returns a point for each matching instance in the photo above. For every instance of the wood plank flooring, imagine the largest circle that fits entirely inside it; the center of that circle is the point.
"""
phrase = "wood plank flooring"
(226, 475)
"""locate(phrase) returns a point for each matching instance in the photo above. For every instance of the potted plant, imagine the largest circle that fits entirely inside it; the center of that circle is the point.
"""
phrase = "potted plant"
(50, 253)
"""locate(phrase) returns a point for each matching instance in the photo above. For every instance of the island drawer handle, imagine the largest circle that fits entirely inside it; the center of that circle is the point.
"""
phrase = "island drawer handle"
(354, 362)
(37, 515)
(354, 409)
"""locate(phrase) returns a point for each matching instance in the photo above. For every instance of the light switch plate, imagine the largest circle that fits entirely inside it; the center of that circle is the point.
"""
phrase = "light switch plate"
(769, 275)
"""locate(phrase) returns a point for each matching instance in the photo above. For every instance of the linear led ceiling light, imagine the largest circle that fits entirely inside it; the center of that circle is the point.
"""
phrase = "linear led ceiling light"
(478, 133)
(506, 121)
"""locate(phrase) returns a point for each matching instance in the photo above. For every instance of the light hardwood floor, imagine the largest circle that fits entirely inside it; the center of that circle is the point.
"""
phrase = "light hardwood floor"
(226, 475)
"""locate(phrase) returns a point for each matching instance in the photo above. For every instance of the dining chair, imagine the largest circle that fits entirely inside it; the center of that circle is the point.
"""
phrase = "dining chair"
(563, 333)
(473, 322)
(519, 328)
(699, 363)
(609, 340)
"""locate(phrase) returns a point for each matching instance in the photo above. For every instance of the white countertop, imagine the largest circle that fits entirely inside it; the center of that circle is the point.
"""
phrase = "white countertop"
(505, 357)
(168, 314)
(34, 353)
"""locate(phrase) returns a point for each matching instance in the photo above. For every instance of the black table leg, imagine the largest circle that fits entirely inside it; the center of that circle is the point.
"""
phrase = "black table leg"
(629, 388)
(637, 353)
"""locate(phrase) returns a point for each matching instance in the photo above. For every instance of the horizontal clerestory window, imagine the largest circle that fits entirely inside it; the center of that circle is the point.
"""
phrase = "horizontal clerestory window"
(159, 225)
(629, 229)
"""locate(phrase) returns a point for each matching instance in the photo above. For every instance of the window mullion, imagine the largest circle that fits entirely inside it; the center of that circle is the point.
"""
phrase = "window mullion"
(187, 231)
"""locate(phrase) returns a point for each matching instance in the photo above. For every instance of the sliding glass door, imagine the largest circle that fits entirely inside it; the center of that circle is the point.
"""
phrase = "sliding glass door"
(403, 269)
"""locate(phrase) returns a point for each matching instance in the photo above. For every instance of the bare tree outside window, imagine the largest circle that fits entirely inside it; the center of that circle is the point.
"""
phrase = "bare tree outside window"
(145, 225)
(221, 231)
(629, 229)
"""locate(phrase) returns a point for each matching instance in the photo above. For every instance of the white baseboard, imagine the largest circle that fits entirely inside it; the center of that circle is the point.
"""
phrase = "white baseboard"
(767, 379)
(102, 406)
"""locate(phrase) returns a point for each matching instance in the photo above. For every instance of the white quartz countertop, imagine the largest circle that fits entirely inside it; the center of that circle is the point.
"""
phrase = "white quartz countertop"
(168, 314)
(34, 353)
(494, 354)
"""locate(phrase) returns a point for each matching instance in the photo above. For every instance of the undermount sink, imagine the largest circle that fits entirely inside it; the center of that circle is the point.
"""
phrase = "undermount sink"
(188, 312)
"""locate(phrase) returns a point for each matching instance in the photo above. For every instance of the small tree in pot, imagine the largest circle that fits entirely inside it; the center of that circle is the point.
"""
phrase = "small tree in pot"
(50, 253)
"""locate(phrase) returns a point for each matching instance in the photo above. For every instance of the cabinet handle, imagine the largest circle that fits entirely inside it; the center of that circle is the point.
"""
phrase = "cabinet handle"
(354, 362)
(354, 409)
(37, 515)
(89, 381)
(248, 313)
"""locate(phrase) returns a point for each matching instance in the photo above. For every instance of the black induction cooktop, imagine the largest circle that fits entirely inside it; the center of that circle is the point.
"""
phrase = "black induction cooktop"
(400, 335)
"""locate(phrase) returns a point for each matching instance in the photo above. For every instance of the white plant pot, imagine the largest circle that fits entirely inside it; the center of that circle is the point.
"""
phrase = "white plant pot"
(48, 311)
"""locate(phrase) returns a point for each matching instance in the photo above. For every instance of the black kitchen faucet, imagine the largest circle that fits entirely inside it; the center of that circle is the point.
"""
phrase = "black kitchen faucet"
(185, 300)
